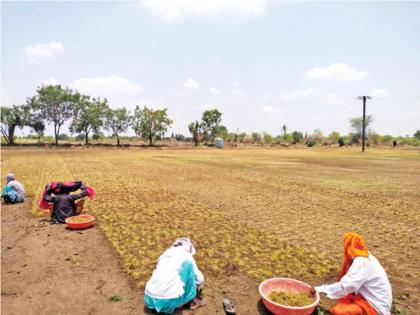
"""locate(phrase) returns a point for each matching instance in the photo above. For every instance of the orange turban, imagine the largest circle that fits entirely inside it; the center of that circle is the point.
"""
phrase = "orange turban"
(354, 246)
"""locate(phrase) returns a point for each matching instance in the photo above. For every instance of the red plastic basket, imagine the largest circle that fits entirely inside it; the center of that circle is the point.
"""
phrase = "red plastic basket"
(283, 284)
(88, 221)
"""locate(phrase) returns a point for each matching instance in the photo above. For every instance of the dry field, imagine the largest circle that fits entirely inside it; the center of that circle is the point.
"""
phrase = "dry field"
(255, 213)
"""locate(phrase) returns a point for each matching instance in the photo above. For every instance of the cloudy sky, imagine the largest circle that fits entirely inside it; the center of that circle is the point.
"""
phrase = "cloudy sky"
(262, 63)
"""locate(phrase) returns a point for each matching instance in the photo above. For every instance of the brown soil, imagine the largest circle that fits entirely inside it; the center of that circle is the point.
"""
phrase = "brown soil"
(40, 262)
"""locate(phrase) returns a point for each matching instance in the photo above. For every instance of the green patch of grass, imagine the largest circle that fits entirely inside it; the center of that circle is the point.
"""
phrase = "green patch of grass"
(116, 298)
(74, 260)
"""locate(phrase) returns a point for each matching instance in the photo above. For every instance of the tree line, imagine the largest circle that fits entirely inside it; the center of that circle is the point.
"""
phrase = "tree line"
(87, 115)
(56, 105)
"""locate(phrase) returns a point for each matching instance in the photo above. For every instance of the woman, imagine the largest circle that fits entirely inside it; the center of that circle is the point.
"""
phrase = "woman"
(363, 287)
(176, 280)
(13, 192)
(57, 200)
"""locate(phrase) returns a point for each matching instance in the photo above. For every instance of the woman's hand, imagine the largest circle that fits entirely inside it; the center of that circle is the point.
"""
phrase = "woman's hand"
(312, 290)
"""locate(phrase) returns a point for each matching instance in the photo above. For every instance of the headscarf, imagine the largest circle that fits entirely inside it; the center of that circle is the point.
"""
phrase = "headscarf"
(354, 246)
(186, 244)
(10, 177)
(57, 188)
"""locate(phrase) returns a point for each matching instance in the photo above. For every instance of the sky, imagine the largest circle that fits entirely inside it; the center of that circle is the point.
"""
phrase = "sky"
(261, 63)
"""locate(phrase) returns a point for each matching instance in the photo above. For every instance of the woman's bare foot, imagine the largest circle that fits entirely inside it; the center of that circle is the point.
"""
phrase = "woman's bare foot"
(196, 303)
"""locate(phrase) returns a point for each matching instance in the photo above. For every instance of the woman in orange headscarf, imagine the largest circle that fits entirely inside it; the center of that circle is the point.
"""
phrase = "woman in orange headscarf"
(363, 287)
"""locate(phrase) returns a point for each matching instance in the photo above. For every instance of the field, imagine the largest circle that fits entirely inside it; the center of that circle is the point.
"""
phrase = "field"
(255, 213)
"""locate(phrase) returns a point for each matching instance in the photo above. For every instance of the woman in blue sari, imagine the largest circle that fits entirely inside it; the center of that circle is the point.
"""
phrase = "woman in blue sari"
(176, 280)
(13, 192)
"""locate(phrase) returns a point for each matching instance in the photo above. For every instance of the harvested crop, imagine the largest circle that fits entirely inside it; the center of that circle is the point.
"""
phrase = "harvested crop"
(291, 298)
(78, 219)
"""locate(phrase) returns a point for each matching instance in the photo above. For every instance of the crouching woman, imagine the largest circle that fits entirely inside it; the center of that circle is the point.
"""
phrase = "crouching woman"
(13, 192)
(176, 280)
(363, 288)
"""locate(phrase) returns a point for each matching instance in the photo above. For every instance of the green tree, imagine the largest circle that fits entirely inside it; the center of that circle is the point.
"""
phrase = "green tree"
(297, 137)
(357, 124)
(38, 127)
(267, 138)
(211, 119)
(242, 136)
(334, 136)
(12, 117)
(151, 124)
(196, 131)
(117, 121)
(256, 137)
(221, 131)
(88, 116)
(55, 105)
(417, 134)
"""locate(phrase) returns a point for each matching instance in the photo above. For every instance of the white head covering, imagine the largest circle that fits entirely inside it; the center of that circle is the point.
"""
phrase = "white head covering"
(186, 244)
(10, 177)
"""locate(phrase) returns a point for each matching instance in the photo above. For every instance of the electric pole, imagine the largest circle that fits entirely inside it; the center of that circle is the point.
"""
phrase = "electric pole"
(364, 98)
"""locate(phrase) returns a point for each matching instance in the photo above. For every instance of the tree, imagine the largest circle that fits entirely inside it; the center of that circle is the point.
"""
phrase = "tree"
(357, 124)
(38, 127)
(117, 121)
(221, 131)
(284, 129)
(334, 136)
(417, 134)
(242, 136)
(297, 137)
(12, 117)
(88, 116)
(267, 138)
(151, 124)
(256, 137)
(55, 105)
(210, 121)
(196, 131)
(317, 135)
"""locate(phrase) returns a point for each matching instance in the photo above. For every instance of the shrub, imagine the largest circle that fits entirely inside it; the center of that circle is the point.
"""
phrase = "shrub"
(311, 143)
(63, 136)
(80, 137)
(267, 138)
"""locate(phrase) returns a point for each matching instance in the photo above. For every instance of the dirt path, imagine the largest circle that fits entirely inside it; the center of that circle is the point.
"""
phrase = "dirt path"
(39, 263)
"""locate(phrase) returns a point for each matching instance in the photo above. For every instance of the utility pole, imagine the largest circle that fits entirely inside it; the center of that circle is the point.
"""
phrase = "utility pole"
(364, 98)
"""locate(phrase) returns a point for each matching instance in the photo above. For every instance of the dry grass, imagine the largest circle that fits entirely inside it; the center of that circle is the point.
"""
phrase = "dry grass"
(261, 212)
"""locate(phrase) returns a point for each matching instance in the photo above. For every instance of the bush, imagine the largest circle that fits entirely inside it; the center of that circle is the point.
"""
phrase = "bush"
(48, 139)
(341, 141)
(297, 137)
(334, 137)
(409, 141)
(311, 143)
(80, 137)
(256, 137)
(267, 138)
(386, 139)
(97, 136)
(63, 136)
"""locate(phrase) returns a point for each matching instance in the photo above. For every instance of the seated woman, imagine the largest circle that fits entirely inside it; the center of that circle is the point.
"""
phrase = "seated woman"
(63, 203)
(176, 280)
(363, 287)
(13, 192)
